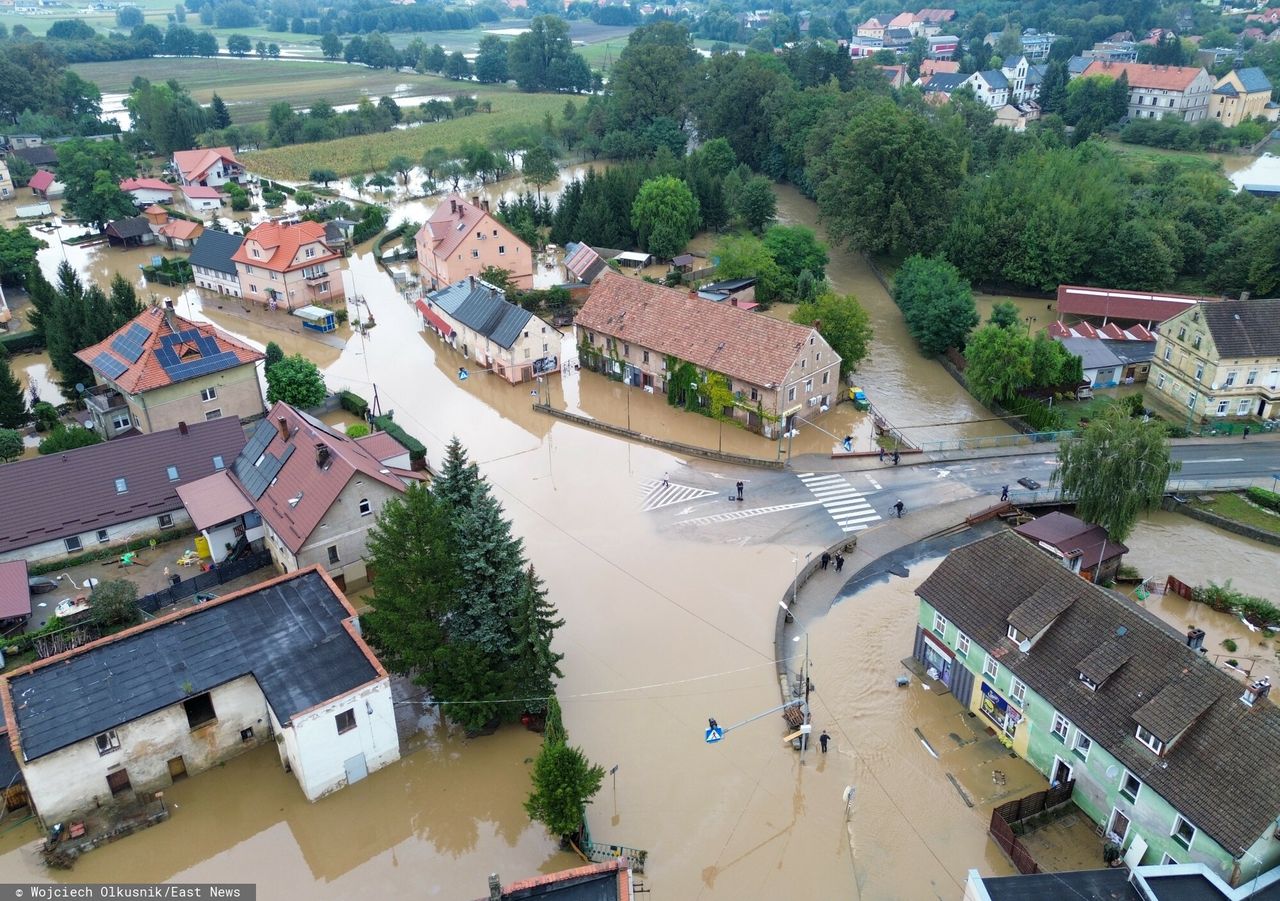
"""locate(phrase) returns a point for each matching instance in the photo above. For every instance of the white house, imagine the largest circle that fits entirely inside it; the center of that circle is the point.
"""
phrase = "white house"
(282, 661)
(212, 264)
(201, 199)
(210, 167)
(146, 191)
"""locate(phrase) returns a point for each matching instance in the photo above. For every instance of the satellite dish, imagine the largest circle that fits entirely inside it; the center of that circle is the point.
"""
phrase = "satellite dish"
(1113, 771)
(88, 423)
(79, 387)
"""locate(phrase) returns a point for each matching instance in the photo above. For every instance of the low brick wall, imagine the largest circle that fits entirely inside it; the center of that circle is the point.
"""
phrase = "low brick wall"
(1176, 506)
(690, 449)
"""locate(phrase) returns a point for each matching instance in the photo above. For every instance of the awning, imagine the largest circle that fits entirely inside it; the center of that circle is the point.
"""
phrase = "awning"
(434, 320)
(213, 500)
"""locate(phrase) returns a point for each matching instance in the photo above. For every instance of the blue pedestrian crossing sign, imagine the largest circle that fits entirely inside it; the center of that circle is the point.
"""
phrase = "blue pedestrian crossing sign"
(713, 735)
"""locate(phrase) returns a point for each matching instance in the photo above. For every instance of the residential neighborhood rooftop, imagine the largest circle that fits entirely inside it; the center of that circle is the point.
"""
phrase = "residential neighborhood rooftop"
(1068, 534)
(1214, 769)
(214, 250)
(1244, 328)
(1145, 75)
(293, 634)
(15, 594)
(200, 192)
(716, 337)
(1110, 303)
(57, 495)
(484, 309)
(158, 347)
(41, 181)
(450, 223)
(193, 164)
(280, 243)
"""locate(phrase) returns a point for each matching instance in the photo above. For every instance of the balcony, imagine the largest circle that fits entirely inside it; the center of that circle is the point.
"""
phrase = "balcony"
(104, 399)
(315, 276)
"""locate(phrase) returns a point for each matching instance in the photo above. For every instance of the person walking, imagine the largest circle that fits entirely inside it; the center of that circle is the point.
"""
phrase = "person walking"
(882, 455)
(823, 739)
(896, 457)
(826, 559)
(1004, 493)
(739, 489)
(839, 562)
(1246, 433)
(899, 507)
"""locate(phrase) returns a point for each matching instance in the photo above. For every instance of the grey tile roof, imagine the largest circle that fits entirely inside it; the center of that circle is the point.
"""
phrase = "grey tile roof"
(1220, 774)
(483, 308)
(1254, 79)
(995, 78)
(1226, 90)
(1011, 62)
(1077, 64)
(1176, 706)
(1093, 354)
(213, 250)
(1104, 660)
(945, 82)
(1244, 328)
(133, 227)
(1132, 351)
(59, 495)
(288, 634)
(1041, 609)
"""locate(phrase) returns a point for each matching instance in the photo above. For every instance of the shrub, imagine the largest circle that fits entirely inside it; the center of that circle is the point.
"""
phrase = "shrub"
(45, 415)
(1264, 498)
(1230, 644)
(64, 439)
(114, 602)
(354, 404)
(358, 430)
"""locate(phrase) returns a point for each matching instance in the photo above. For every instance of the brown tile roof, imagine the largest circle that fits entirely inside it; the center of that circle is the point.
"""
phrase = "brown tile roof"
(1244, 328)
(1076, 300)
(607, 881)
(213, 500)
(302, 477)
(60, 495)
(280, 243)
(154, 334)
(1104, 660)
(1144, 75)
(454, 219)
(41, 181)
(712, 336)
(1069, 534)
(382, 445)
(145, 184)
(1041, 609)
(1220, 774)
(183, 229)
(195, 163)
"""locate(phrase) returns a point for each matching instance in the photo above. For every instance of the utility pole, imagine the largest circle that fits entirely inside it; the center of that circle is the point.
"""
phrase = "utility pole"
(804, 735)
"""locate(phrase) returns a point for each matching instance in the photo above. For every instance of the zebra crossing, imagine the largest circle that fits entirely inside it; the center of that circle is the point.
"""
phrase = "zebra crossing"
(745, 514)
(846, 505)
(654, 494)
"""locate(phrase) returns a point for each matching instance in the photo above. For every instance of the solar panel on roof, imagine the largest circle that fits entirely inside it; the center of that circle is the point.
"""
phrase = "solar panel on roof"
(201, 366)
(129, 345)
(208, 346)
(109, 365)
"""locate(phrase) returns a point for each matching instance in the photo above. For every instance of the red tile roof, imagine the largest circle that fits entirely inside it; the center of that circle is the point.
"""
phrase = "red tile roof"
(1143, 75)
(195, 163)
(935, 66)
(713, 336)
(454, 219)
(41, 180)
(382, 445)
(315, 487)
(434, 319)
(902, 20)
(182, 229)
(200, 192)
(280, 243)
(147, 373)
(611, 873)
(1140, 306)
(145, 184)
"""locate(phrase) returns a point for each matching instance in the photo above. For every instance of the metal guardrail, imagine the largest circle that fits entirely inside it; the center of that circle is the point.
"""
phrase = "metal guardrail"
(1053, 495)
(993, 441)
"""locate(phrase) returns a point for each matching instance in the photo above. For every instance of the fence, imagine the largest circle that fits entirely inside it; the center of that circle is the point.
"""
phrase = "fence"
(216, 575)
(993, 441)
(1004, 817)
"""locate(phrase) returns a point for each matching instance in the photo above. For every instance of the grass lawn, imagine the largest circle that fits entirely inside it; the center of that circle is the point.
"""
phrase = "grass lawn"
(1236, 508)
(370, 153)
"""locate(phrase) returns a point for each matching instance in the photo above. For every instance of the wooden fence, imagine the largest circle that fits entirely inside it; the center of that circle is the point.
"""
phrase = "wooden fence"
(1174, 585)
(1006, 815)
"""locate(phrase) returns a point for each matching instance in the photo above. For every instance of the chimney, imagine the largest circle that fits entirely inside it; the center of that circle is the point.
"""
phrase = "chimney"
(322, 455)
(182, 428)
(471, 280)
(1244, 295)
(282, 427)
(169, 315)
(453, 205)
(495, 887)
(1256, 692)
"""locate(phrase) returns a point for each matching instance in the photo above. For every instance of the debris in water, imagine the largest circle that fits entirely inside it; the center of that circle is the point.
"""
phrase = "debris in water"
(904, 680)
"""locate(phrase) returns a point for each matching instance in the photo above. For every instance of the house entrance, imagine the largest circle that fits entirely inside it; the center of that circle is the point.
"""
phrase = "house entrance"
(118, 782)
(357, 768)
(177, 768)
(1118, 824)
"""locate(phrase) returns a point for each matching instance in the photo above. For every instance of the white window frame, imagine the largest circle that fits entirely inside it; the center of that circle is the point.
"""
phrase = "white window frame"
(991, 668)
(1060, 728)
(365, 507)
(165, 520)
(121, 421)
(1018, 691)
(208, 394)
(107, 742)
(1160, 381)
(962, 644)
(73, 544)
(1179, 821)
(939, 623)
(1222, 407)
(1242, 408)
(1149, 739)
(1081, 740)
(103, 536)
(1124, 778)
(212, 414)
(1017, 636)
(122, 486)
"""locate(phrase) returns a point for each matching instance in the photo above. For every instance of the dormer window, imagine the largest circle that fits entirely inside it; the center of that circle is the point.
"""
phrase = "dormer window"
(1149, 739)
(1017, 636)
(1088, 683)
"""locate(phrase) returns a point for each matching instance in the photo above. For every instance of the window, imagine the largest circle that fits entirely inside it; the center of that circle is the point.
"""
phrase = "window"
(1130, 786)
(990, 668)
(218, 463)
(939, 623)
(1196, 342)
(1082, 745)
(253, 288)
(1191, 400)
(1168, 352)
(1231, 379)
(1182, 333)
(212, 414)
(346, 721)
(502, 250)
(644, 355)
(1160, 381)
(1088, 683)
(802, 363)
(121, 486)
(755, 394)
(309, 252)
(365, 507)
(1018, 691)
(333, 553)
(962, 644)
(107, 742)
(1149, 739)
(1183, 832)
(172, 472)
(208, 394)
(1017, 636)
(825, 377)
(1060, 727)
(199, 710)
(808, 386)
(165, 520)
(1242, 408)
(791, 393)
(121, 421)
(72, 543)
(1222, 407)
(1251, 377)
(626, 349)
(1199, 372)
(246, 734)
(103, 537)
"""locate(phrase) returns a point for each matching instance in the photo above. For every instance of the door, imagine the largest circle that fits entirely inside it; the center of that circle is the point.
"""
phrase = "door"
(118, 782)
(177, 768)
(356, 768)
(1118, 824)
(1061, 772)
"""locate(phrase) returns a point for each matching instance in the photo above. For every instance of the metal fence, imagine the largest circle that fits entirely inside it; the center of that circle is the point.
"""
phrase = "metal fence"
(993, 441)
(216, 575)
(1026, 498)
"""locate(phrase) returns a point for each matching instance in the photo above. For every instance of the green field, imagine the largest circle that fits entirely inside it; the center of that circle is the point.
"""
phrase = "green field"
(369, 153)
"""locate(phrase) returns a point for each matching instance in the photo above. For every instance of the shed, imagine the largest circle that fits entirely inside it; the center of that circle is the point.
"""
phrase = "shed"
(684, 262)
(130, 232)
(633, 259)
(317, 319)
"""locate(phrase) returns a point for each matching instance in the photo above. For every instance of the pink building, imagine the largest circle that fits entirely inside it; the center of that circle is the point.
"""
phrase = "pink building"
(461, 239)
(209, 167)
(289, 265)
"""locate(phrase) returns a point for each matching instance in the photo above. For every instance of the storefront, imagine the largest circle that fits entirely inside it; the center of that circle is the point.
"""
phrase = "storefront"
(938, 659)
(999, 711)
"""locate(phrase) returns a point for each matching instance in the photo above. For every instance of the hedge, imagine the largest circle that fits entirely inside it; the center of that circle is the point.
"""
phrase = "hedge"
(115, 550)
(1264, 498)
(20, 342)
(417, 450)
(353, 403)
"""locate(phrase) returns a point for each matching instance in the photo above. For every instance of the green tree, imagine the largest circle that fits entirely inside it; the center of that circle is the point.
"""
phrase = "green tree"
(491, 60)
(1053, 89)
(536, 666)
(796, 249)
(18, 249)
(296, 381)
(457, 66)
(123, 303)
(304, 198)
(240, 45)
(458, 478)
(564, 782)
(435, 59)
(13, 401)
(1115, 469)
(114, 603)
(543, 58)
(11, 446)
(756, 204)
(936, 303)
(652, 78)
(664, 215)
(1005, 314)
(104, 202)
(330, 45)
(843, 322)
(63, 439)
(539, 168)
(273, 355)
(91, 197)
(745, 256)
(997, 363)
(219, 115)
(324, 176)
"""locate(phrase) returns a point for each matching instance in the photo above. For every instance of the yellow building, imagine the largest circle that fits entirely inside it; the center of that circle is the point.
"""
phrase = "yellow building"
(1218, 360)
(1241, 95)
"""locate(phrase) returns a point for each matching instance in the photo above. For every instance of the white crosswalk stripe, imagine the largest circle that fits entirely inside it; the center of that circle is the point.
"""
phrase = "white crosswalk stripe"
(845, 504)
(744, 514)
(654, 494)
